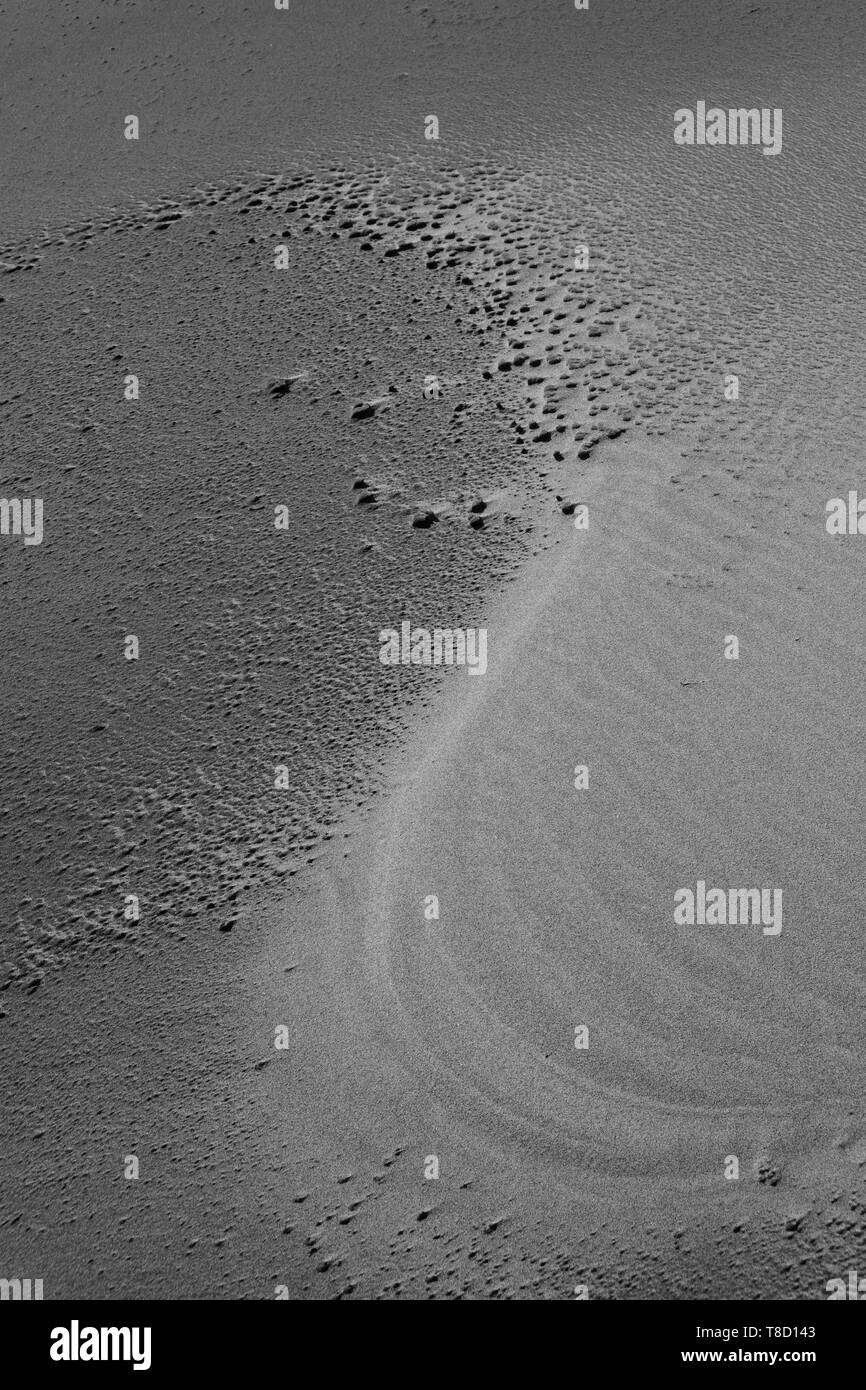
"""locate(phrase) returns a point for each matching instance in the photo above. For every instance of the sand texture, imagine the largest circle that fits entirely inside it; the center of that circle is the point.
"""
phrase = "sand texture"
(404, 1009)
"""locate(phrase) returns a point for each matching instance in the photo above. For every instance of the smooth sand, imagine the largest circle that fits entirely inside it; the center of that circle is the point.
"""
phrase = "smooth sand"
(556, 909)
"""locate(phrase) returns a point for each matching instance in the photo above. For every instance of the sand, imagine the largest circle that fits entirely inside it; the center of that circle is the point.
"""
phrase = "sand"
(328, 1088)
(555, 910)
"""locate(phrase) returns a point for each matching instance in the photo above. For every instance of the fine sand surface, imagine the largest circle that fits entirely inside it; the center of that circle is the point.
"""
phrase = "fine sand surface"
(283, 806)
(405, 1039)
(556, 909)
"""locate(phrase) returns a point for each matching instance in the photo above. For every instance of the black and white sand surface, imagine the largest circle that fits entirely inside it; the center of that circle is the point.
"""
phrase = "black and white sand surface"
(533, 975)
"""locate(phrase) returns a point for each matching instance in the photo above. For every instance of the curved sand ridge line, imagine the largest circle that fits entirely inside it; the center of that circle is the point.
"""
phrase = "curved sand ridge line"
(556, 905)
